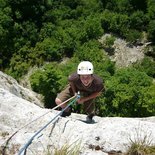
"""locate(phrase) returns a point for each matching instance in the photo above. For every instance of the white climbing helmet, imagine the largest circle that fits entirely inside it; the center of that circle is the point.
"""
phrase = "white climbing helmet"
(85, 67)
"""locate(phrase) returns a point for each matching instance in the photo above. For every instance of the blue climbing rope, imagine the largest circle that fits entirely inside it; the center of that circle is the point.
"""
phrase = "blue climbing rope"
(59, 114)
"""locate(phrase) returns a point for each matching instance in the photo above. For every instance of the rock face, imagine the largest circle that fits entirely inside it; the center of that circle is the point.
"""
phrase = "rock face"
(124, 55)
(10, 84)
(107, 134)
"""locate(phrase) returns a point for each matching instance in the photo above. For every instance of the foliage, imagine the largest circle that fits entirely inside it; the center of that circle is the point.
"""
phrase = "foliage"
(66, 26)
(46, 82)
(92, 27)
(147, 65)
(117, 23)
(138, 20)
(36, 32)
(109, 41)
(19, 63)
(121, 6)
(6, 34)
(133, 35)
(151, 9)
(128, 93)
(68, 37)
(49, 49)
(26, 34)
(151, 30)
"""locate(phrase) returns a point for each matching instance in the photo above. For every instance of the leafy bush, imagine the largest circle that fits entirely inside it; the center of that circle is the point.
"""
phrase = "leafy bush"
(6, 34)
(151, 9)
(132, 35)
(49, 49)
(68, 36)
(129, 93)
(20, 62)
(147, 65)
(151, 30)
(92, 26)
(109, 41)
(46, 82)
(138, 21)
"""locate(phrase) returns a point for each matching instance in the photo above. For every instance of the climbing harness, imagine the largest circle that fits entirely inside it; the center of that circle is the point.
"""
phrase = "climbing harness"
(59, 114)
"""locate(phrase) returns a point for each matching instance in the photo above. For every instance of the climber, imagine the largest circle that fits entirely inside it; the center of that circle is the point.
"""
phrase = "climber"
(88, 84)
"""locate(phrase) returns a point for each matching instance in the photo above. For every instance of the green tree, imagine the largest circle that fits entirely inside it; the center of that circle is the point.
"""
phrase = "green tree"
(28, 10)
(88, 7)
(132, 35)
(105, 20)
(67, 67)
(6, 35)
(138, 21)
(46, 82)
(151, 30)
(93, 27)
(147, 65)
(149, 97)
(115, 22)
(67, 35)
(151, 9)
(25, 34)
(49, 49)
(123, 7)
(46, 31)
(86, 28)
(139, 5)
(20, 62)
(119, 23)
(127, 95)
(119, 6)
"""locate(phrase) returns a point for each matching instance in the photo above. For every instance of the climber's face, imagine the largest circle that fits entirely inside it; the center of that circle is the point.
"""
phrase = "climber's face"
(86, 79)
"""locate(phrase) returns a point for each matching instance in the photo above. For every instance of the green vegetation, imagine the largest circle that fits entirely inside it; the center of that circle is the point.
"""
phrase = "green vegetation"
(43, 33)
(141, 148)
(147, 65)
(141, 144)
(45, 82)
(129, 93)
(66, 149)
